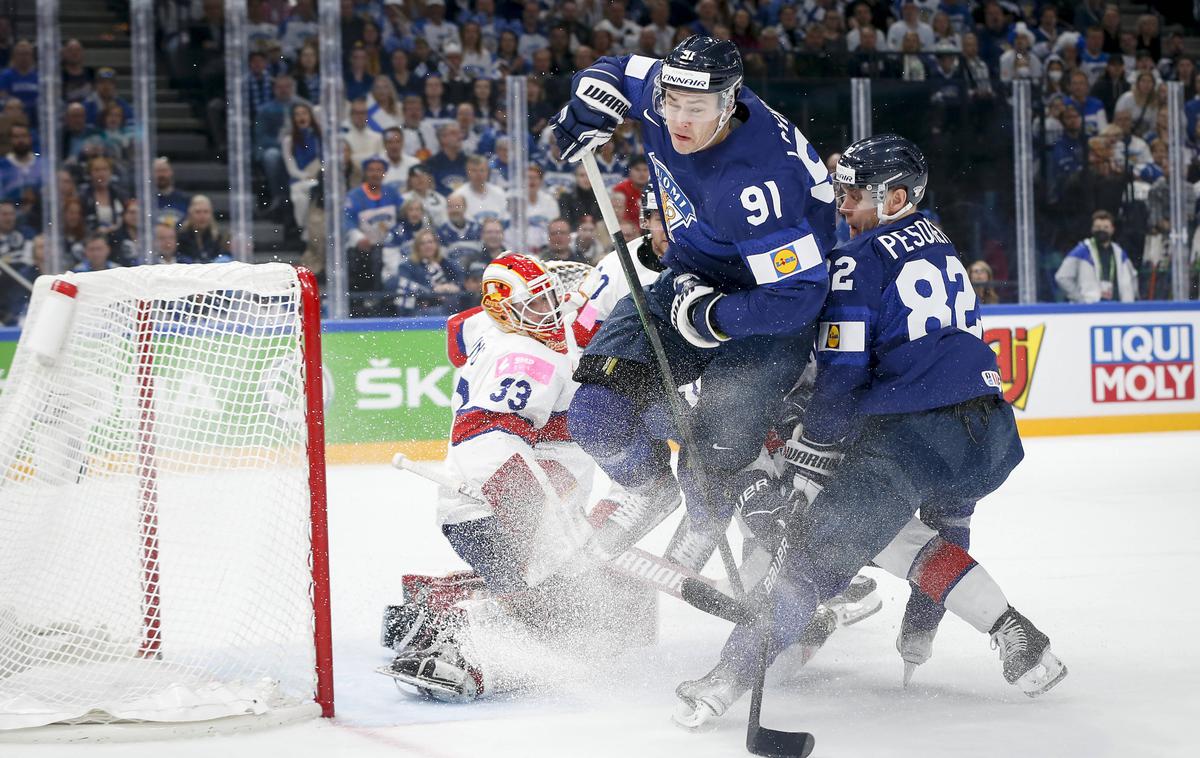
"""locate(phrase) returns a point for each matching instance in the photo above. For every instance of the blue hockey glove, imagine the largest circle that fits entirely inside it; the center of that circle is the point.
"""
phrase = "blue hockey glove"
(595, 110)
(811, 464)
(692, 311)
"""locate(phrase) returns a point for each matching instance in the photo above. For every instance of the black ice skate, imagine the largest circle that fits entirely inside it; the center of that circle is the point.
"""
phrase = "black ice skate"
(440, 671)
(1025, 651)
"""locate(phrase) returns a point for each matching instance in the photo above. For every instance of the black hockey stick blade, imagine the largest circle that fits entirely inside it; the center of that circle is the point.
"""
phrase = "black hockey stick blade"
(776, 744)
(771, 742)
(714, 602)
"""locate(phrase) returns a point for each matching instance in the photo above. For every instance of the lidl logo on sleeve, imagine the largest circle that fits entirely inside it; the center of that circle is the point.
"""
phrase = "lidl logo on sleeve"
(1143, 363)
(842, 336)
(834, 338)
(786, 260)
(1016, 355)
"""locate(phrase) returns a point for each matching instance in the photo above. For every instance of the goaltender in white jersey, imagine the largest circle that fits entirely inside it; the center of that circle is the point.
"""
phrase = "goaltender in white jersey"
(528, 483)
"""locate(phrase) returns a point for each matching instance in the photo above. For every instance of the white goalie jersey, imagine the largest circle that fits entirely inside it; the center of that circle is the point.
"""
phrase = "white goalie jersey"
(511, 399)
(510, 403)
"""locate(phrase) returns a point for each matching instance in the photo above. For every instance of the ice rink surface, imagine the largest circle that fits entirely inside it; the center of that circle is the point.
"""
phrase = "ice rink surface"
(1096, 539)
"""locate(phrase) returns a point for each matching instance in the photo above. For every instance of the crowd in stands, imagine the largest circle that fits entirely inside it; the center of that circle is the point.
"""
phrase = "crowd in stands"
(425, 144)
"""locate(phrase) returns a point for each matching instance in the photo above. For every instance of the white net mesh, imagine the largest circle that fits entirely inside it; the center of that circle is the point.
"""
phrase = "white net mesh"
(154, 504)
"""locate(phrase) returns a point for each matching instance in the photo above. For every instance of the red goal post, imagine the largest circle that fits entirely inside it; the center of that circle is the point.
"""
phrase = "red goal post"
(163, 534)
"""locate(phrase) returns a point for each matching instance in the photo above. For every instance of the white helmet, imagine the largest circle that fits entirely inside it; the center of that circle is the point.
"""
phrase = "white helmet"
(523, 295)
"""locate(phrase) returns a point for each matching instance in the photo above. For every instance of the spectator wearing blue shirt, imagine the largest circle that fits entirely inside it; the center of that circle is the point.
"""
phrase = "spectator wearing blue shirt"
(1092, 57)
(105, 94)
(394, 28)
(269, 123)
(427, 284)
(258, 82)
(1068, 156)
(959, 12)
(357, 79)
(401, 76)
(707, 18)
(95, 254)
(16, 241)
(20, 79)
(21, 168)
(172, 204)
(993, 35)
(498, 162)
(459, 234)
(449, 166)
(1094, 117)
(490, 25)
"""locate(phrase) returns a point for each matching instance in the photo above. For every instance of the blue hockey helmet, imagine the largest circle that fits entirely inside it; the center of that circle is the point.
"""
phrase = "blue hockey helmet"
(879, 164)
(701, 65)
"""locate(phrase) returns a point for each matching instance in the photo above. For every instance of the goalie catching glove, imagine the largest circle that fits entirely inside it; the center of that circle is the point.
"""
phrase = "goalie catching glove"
(594, 112)
(692, 311)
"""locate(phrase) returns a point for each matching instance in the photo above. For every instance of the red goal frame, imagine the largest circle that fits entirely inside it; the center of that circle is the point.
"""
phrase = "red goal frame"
(310, 323)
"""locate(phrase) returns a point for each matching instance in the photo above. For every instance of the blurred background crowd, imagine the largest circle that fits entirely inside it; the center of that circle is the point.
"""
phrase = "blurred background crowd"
(425, 140)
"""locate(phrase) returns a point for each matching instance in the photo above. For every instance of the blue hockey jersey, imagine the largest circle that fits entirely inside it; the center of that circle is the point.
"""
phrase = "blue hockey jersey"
(752, 215)
(901, 330)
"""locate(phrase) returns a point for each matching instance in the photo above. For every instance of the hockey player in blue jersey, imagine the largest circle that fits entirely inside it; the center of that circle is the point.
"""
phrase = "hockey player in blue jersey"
(748, 207)
(907, 408)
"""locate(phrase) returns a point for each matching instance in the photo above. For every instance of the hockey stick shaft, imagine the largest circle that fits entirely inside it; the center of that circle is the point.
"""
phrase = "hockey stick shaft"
(635, 563)
(760, 740)
(670, 386)
(16, 275)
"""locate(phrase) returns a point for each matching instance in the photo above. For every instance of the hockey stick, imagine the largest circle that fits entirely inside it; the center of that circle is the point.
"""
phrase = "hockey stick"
(760, 740)
(670, 386)
(16, 275)
(635, 563)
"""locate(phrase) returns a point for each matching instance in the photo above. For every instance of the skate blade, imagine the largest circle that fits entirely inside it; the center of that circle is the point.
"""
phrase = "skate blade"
(1044, 676)
(695, 717)
(910, 668)
(424, 687)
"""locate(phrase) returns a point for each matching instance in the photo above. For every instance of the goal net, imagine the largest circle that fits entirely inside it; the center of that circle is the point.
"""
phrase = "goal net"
(162, 531)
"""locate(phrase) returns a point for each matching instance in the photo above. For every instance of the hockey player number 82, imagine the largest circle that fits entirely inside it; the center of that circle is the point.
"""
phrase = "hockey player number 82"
(922, 288)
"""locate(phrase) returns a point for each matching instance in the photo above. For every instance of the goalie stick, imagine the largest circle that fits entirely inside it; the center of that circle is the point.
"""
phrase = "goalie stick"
(635, 563)
(670, 386)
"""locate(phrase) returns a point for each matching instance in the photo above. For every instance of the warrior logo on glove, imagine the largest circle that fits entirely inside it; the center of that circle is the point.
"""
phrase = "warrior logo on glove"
(604, 97)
